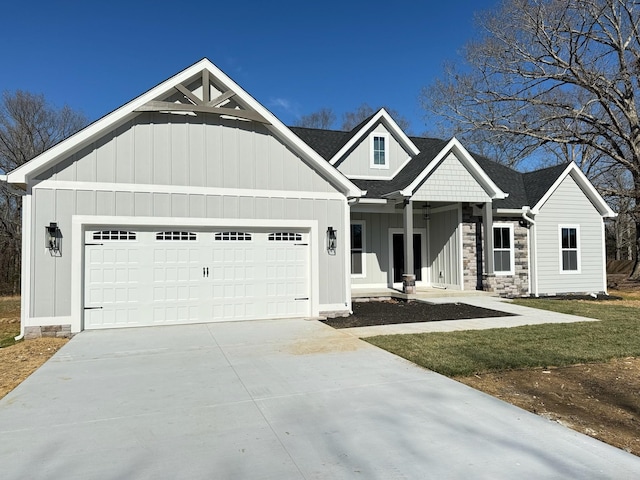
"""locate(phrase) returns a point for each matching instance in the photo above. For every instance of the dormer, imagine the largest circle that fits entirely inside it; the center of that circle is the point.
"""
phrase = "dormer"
(377, 149)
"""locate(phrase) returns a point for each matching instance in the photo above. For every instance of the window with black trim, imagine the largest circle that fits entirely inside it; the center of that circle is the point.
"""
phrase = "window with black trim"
(503, 249)
(569, 252)
(114, 235)
(357, 249)
(232, 237)
(175, 236)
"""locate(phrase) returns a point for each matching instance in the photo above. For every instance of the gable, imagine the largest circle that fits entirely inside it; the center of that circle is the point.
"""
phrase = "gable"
(198, 92)
(584, 189)
(358, 162)
(451, 181)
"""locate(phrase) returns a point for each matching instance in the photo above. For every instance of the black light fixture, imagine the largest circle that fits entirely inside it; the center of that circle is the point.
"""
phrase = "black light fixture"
(332, 240)
(52, 238)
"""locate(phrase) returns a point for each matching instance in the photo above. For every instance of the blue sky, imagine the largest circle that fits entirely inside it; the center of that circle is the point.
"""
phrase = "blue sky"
(292, 56)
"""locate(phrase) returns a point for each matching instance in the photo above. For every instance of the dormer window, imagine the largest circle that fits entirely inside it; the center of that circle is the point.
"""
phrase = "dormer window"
(379, 150)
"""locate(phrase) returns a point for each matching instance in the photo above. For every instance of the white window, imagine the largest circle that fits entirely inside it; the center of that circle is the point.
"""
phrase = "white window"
(503, 252)
(285, 237)
(357, 249)
(379, 150)
(569, 249)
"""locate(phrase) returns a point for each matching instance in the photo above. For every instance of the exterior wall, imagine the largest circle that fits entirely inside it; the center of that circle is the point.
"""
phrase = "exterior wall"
(569, 206)
(473, 258)
(451, 182)
(358, 162)
(199, 171)
(444, 248)
(377, 261)
(163, 149)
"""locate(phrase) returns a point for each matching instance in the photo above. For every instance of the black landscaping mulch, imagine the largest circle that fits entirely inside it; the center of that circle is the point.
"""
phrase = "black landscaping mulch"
(366, 314)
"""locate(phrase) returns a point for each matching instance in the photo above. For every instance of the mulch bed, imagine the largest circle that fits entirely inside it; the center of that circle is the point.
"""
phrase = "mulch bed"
(366, 314)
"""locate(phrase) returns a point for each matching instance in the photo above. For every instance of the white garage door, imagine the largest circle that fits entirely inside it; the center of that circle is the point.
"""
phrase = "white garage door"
(161, 277)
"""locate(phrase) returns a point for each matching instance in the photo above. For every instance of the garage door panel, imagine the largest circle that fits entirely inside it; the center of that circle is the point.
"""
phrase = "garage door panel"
(151, 278)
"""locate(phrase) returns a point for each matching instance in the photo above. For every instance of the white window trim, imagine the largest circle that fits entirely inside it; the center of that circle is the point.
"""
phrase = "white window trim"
(386, 150)
(363, 253)
(512, 248)
(579, 255)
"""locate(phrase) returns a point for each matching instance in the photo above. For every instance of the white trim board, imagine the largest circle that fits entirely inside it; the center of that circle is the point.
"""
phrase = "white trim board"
(184, 189)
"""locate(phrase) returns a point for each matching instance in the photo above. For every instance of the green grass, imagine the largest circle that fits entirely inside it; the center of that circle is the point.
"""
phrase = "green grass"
(9, 320)
(480, 351)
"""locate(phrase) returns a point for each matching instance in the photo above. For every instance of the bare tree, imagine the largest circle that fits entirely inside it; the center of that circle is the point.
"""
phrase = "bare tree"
(323, 119)
(28, 127)
(555, 75)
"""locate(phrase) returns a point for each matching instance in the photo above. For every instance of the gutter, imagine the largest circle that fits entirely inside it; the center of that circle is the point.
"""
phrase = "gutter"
(532, 243)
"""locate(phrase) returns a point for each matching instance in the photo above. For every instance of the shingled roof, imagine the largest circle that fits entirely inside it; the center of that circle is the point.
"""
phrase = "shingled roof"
(523, 188)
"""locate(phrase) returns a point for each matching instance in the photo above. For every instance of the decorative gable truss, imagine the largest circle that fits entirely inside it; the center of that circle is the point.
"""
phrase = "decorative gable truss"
(201, 95)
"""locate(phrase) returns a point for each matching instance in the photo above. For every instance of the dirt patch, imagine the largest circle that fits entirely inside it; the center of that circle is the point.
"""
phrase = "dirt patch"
(366, 314)
(19, 361)
(600, 400)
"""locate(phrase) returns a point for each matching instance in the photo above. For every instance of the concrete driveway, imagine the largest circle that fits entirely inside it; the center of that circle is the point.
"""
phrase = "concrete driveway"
(283, 399)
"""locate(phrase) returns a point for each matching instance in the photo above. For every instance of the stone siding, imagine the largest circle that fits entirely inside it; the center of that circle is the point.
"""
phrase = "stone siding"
(472, 246)
(59, 331)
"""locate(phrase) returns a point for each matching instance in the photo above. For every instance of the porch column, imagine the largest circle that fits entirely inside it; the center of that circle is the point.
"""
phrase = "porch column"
(487, 215)
(409, 277)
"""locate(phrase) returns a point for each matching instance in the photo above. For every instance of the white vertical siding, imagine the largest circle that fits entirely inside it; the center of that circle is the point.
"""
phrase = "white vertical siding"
(377, 261)
(569, 206)
(51, 275)
(165, 149)
(444, 247)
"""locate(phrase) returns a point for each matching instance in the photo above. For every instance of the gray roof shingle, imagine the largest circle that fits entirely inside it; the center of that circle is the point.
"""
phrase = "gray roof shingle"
(523, 188)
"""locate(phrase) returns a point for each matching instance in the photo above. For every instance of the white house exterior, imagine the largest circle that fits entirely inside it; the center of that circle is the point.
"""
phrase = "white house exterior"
(193, 203)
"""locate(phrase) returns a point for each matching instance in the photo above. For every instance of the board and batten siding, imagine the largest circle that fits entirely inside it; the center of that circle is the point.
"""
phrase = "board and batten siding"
(444, 248)
(162, 149)
(252, 175)
(377, 261)
(51, 276)
(358, 162)
(451, 182)
(568, 205)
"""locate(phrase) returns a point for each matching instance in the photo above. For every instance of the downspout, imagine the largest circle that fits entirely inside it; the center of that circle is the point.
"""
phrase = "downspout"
(533, 247)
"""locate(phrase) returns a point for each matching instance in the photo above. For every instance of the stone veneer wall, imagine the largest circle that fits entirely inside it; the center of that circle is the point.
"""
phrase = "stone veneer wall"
(60, 331)
(472, 246)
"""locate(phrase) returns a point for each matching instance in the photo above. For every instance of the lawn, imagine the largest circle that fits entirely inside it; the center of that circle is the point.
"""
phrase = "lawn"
(9, 320)
(481, 351)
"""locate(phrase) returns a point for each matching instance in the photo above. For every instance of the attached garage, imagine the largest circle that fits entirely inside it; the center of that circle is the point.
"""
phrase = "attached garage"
(138, 277)
(191, 203)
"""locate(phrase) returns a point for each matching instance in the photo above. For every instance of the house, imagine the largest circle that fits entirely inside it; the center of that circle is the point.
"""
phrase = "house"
(194, 203)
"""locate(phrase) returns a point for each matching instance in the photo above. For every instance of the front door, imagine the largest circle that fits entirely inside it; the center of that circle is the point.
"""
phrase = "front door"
(398, 256)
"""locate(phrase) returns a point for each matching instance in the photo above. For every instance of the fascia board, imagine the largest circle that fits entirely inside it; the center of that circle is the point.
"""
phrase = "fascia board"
(389, 122)
(44, 160)
(585, 185)
(465, 157)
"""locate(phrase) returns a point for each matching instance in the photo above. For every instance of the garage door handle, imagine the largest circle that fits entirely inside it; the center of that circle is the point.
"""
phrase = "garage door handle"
(92, 308)
(302, 298)
(205, 271)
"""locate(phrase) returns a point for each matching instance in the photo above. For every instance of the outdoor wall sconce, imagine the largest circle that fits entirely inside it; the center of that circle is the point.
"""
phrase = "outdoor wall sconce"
(52, 238)
(426, 211)
(332, 241)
